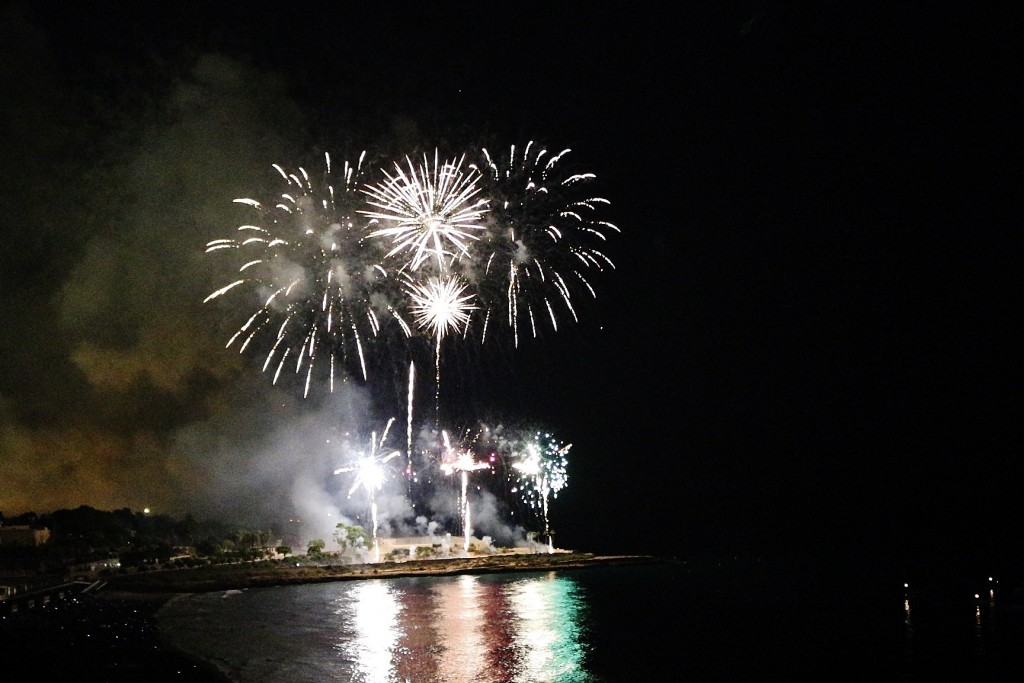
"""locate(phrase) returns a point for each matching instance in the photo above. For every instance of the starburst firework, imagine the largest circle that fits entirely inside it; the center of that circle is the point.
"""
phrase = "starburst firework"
(544, 238)
(322, 288)
(371, 473)
(440, 305)
(428, 213)
(542, 469)
(461, 460)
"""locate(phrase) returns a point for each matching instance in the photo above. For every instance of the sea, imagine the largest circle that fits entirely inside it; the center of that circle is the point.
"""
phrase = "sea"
(661, 620)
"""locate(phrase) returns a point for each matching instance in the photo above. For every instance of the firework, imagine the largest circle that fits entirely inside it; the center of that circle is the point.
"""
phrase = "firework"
(429, 214)
(542, 469)
(543, 240)
(370, 474)
(322, 288)
(461, 461)
(343, 269)
(409, 473)
(440, 306)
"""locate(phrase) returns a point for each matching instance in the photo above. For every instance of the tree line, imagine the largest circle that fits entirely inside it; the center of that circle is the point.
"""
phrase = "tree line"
(138, 539)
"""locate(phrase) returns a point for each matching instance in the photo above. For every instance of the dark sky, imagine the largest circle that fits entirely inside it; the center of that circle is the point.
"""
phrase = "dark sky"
(808, 339)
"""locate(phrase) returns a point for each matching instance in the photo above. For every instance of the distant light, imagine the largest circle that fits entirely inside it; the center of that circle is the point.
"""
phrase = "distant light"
(145, 511)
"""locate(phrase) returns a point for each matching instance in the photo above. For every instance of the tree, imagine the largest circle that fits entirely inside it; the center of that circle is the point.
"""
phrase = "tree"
(351, 536)
(316, 547)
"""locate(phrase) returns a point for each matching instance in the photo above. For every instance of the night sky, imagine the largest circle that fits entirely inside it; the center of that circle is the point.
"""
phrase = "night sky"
(808, 340)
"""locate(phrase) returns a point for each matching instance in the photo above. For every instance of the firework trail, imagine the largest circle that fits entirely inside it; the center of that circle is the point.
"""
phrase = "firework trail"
(461, 461)
(370, 474)
(543, 239)
(542, 469)
(322, 286)
(409, 474)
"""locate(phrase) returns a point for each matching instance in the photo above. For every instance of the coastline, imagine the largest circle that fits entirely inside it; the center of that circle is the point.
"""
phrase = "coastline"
(125, 609)
(262, 574)
(94, 637)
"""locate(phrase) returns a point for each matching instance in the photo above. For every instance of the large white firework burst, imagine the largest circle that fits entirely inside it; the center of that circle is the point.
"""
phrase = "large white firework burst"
(428, 214)
(321, 288)
(544, 239)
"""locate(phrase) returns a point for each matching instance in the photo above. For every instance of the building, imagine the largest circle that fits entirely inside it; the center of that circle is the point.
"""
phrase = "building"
(23, 535)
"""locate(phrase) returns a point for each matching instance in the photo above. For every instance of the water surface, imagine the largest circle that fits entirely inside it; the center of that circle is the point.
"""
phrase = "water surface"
(607, 624)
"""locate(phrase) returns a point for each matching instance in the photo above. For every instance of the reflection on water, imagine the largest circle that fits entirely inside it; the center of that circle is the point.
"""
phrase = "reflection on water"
(549, 629)
(375, 621)
(467, 628)
(484, 629)
(460, 619)
(611, 624)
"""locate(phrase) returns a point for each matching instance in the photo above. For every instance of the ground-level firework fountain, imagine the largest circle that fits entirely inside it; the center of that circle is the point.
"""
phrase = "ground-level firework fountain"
(370, 474)
(543, 464)
(461, 461)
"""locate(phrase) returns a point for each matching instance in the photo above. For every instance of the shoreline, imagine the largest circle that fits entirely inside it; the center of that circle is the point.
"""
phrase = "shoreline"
(142, 598)
(263, 574)
(111, 631)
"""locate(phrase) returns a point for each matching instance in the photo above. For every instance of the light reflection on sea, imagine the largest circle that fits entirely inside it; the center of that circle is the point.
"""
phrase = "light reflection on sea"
(746, 620)
(485, 629)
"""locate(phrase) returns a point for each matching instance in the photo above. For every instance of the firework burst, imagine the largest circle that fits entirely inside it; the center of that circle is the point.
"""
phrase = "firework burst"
(371, 473)
(542, 470)
(428, 213)
(322, 288)
(544, 239)
(440, 305)
(461, 460)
